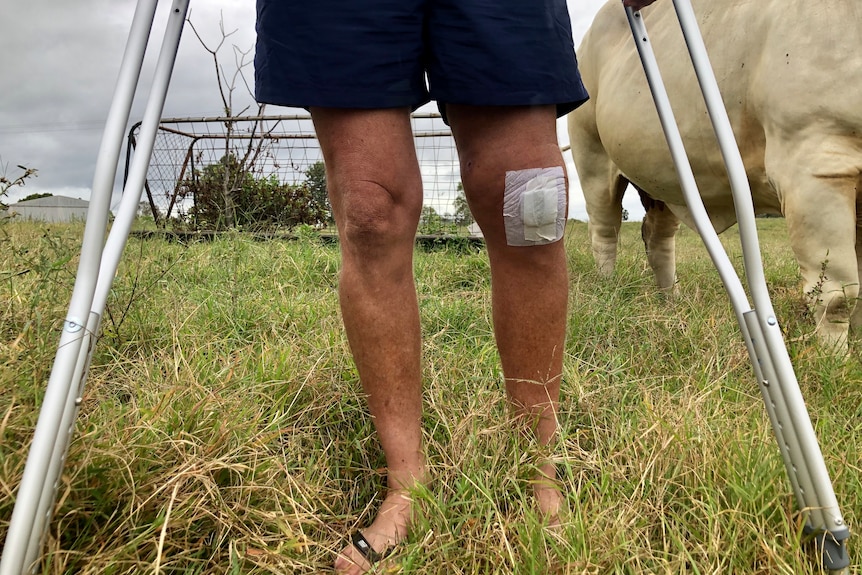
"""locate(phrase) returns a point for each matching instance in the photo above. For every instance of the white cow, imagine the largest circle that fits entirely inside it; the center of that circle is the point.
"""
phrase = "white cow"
(790, 73)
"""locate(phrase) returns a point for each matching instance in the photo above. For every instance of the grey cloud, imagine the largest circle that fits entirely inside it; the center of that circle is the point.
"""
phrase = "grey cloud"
(58, 68)
(59, 61)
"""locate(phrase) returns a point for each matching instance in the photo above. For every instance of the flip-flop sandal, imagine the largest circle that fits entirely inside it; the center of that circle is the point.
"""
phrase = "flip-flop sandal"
(366, 550)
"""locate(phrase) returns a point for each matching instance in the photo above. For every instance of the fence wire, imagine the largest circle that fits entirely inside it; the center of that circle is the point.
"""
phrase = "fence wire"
(287, 147)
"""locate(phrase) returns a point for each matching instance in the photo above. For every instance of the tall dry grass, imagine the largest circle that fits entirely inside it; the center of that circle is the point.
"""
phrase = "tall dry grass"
(223, 429)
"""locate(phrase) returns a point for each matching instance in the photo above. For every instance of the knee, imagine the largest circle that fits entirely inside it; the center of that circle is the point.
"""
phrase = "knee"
(518, 208)
(372, 218)
(603, 234)
(368, 222)
(832, 304)
(654, 229)
(840, 300)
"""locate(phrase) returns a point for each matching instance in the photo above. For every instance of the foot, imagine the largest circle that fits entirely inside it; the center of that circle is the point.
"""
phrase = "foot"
(389, 528)
(549, 497)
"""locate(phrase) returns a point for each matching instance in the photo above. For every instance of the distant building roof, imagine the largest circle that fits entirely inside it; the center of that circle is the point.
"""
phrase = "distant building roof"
(52, 202)
(51, 209)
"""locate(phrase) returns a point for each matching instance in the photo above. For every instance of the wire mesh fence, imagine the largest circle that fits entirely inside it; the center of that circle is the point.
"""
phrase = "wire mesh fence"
(285, 149)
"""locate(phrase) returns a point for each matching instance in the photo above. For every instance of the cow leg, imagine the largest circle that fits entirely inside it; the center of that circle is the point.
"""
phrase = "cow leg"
(602, 184)
(821, 219)
(856, 316)
(658, 231)
(606, 216)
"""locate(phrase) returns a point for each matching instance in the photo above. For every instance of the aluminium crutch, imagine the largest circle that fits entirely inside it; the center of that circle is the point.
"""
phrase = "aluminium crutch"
(98, 265)
(785, 406)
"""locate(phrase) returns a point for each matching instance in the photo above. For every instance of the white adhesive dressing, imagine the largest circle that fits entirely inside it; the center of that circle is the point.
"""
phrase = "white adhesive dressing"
(534, 206)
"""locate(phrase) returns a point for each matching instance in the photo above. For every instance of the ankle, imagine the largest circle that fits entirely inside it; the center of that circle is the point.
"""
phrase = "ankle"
(406, 481)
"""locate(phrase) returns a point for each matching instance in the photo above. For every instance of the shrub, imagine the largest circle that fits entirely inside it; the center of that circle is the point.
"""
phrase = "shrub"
(226, 195)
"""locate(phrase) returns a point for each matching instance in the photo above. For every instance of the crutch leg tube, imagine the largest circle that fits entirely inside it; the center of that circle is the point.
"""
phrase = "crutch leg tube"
(779, 387)
(35, 498)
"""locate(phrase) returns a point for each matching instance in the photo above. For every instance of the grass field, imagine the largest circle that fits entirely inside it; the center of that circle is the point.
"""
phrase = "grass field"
(223, 430)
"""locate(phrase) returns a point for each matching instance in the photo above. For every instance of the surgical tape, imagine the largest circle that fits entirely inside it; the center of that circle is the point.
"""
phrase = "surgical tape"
(534, 206)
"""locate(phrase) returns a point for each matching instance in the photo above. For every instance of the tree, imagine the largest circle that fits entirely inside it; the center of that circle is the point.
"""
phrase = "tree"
(147, 210)
(257, 202)
(430, 221)
(227, 84)
(7, 184)
(463, 216)
(315, 177)
(35, 196)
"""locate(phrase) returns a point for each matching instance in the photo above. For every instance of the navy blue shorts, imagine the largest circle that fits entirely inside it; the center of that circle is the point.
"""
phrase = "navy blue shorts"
(376, 53)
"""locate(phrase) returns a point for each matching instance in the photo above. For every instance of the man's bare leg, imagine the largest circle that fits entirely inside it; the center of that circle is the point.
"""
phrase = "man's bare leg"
(376, 193)
(529, 284)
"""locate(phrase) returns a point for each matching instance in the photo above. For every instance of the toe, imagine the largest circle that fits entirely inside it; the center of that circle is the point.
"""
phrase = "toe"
(351, 562)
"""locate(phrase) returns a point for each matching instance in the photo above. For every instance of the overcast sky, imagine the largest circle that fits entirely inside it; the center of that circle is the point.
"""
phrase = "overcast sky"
(58, 66)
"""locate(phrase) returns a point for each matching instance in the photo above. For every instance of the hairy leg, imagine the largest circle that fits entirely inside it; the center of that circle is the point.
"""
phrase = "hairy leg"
(375, 189)
(529, 284)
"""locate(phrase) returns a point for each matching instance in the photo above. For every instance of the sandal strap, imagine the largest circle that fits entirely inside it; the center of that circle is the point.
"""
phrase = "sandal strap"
(364, 547)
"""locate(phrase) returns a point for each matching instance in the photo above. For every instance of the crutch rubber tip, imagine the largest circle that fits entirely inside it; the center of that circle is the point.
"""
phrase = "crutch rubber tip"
(832, 550)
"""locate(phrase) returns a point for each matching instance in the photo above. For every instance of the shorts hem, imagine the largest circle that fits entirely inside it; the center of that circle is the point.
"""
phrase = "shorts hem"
(342, 99)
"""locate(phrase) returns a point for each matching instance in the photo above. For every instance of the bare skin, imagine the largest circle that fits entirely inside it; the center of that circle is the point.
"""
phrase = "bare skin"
(375, 190)
(376, 193)
(529, 316)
